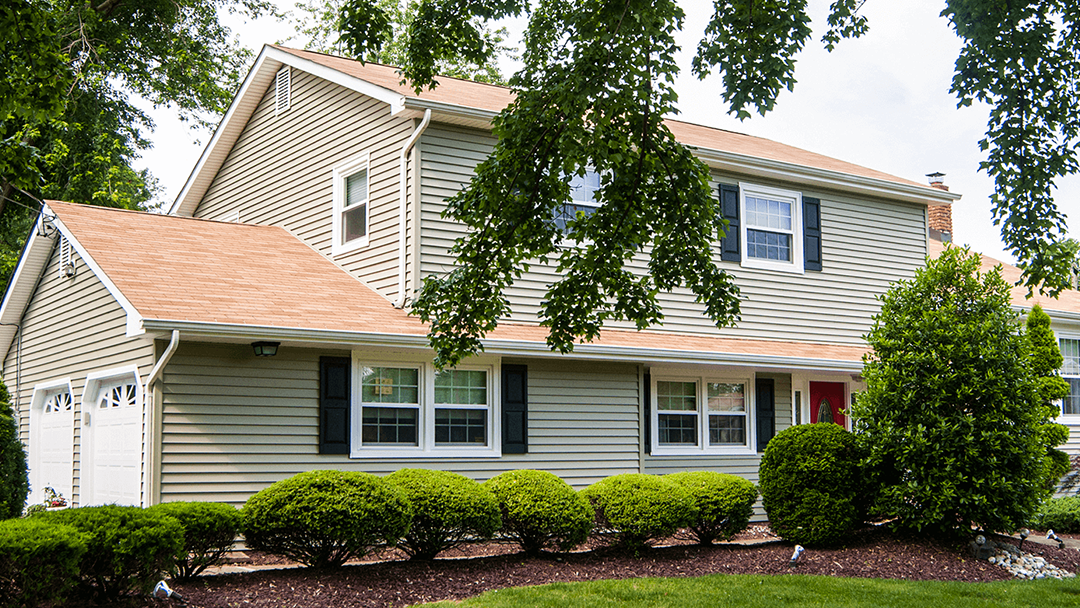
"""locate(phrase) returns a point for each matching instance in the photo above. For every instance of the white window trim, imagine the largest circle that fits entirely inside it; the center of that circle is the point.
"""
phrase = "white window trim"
(342, 173)
(1063, 418)
(703, 447)
(796, 263)
(282, 80)
(426, 419)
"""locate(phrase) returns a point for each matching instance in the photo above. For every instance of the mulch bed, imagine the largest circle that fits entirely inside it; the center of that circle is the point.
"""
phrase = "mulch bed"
(873, 553)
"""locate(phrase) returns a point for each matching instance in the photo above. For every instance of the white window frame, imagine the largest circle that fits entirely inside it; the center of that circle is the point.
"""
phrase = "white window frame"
(789, 196)
(1062, 416)
(426, 447)
(701, 382)
(282, 90)
(581, 202)
(341, 175)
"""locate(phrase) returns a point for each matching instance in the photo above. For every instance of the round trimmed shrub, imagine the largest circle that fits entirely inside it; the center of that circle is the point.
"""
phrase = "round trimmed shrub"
(448, 509)
(325, 518)
(39, 562)
(1058, 514)
(209, 531)
(724, 503)
(640, 508)
(812, 486)
(128, 549)
(541, 511)
(14, 482)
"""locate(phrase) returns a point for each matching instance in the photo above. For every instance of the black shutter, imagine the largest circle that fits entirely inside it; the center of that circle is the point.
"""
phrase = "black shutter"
(766, 413)
(729, 206)
(515, 409)
(648, 413)
(811, 233)
(334, 391)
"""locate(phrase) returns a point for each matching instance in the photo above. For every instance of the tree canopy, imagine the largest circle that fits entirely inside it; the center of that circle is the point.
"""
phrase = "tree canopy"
(596, 80)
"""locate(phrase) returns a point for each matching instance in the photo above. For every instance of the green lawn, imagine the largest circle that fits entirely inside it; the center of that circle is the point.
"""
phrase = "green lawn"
(718, 591)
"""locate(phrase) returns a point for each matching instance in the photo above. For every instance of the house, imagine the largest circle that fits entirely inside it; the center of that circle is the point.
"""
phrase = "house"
(261, 328)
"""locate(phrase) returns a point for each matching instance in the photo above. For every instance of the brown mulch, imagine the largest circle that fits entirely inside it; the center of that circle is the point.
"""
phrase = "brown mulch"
(873, 553)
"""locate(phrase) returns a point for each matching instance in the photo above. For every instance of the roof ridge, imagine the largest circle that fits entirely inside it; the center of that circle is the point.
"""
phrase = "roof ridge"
(157, 215)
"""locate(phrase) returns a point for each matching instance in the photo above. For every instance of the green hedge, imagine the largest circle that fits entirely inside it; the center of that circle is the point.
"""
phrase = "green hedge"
(541, 511)
(14, 484)
(448, 509)
(39, 562)
(325, 518)
(128, 549)
(724, 503)
(640, 508)
(209, 531)
(1059, 515)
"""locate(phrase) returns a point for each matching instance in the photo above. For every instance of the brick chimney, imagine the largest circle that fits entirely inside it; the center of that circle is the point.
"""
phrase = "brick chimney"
(940, 215)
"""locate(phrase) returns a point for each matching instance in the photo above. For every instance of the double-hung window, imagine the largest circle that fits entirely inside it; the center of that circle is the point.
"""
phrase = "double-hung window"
(350, 225)
(701, 415)
(412, 409)
(772, 228)
(582, 199)
(1070, 370)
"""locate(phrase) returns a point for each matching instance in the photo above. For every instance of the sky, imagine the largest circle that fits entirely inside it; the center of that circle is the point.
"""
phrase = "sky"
(881, 101)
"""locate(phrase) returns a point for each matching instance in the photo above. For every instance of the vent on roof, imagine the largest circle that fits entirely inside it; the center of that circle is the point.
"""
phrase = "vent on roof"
(281, 90)
(67, 265)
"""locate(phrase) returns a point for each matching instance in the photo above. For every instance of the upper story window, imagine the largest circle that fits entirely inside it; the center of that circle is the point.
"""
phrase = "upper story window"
(701, 415)
(771, 230)
(1070, 370)
(582, 198)
(351, 206)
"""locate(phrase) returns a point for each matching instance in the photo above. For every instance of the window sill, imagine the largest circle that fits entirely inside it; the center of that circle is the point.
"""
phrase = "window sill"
(740, 450)
(360, 243)
(757, 264)
(439, 452)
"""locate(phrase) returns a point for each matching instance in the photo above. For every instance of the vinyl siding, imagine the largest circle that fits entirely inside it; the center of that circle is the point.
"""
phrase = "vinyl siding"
(233, 424)
(71, 327)
(866, 244)
(280, 172)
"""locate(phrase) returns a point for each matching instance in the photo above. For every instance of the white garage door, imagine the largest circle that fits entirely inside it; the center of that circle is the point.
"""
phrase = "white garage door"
(115, 450)
(54, 446)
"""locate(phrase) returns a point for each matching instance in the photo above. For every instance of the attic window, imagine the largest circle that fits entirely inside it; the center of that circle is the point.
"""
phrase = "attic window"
(282, 85)
(66, 268)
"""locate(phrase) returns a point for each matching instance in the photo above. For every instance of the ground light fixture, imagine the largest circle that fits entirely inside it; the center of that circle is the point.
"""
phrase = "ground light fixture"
(265, 349)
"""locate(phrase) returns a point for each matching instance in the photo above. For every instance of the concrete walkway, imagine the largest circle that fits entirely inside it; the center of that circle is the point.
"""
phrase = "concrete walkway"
(1040, 539)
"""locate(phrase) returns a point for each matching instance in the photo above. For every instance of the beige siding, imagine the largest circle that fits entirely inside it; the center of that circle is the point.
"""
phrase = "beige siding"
(866, 245)
(233, 424)
(280, 172)
(70, 328)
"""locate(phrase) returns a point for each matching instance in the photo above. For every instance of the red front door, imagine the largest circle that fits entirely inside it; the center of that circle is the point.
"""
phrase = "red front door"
(826, 401)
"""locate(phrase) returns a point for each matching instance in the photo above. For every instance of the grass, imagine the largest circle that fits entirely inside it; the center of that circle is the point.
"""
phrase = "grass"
(753, 591)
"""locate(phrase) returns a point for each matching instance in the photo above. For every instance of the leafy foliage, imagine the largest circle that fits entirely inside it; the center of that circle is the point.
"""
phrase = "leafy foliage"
(1046, 359)
(952, 414)
(1058, 514)
(724, 503)
(812, 486)
(39, 562)
(14, 480)
(448, 510)
(128, 548)
(209, 531)
(541, 511)
(325, 518)
(640, 508)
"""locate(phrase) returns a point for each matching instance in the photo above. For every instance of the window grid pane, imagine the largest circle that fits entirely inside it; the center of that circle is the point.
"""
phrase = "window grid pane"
(768, 213)
(461, 387)
(726, 397)
(389, 425)
(768, 245)
(390, 385)
(727, 429)
(455, 426)
(676, 396)
(677, 429)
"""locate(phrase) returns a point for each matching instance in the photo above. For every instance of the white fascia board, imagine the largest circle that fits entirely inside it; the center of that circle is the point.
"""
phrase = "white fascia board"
(134, 319)
(20, 289)
(193, 330)
(243, 106)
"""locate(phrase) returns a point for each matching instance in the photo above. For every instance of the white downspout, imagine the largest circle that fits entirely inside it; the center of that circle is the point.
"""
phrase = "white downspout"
(151, 417)
(402, 203)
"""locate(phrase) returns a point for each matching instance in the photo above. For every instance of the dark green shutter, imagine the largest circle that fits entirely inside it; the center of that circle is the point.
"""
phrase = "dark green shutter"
(766, 412)
(811, 233)
(334, 392)
(515, 409)
(729, 206)
(648, 413)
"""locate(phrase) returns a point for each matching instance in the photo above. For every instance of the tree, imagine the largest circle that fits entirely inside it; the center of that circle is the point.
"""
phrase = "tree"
(952, 417)
(595, 83)
(1045, 362)
(68, 129)
(14, 480)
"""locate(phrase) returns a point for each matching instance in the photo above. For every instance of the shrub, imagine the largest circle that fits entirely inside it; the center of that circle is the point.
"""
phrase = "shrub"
(955, 417)
(325, 518)
(448, 509)
(541, 511)
(14, 483)
(39, 562)
(640, 508)
(812, 487)
(128, 548)
(724, 503)
(209, 531)
(1058, 514)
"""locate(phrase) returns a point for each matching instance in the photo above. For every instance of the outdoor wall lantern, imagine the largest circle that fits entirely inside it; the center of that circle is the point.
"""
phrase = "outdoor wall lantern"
(265, 349)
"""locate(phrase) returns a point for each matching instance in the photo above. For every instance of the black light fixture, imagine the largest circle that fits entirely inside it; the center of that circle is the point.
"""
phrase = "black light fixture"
(265, 349)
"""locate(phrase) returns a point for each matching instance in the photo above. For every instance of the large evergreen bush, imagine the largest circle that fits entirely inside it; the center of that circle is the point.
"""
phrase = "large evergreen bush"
(725, 503)
(39, 562)
(541, 511)
(952, 416)
(14, 482)
(640, 508)
(209, 531)
(1046, 362)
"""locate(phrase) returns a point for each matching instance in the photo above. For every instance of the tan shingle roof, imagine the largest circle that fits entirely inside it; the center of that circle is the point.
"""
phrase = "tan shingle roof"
(182, 269)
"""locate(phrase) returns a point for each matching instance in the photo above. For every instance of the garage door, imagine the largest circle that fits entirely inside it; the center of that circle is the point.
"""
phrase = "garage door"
(115, 444)
(52, 452)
